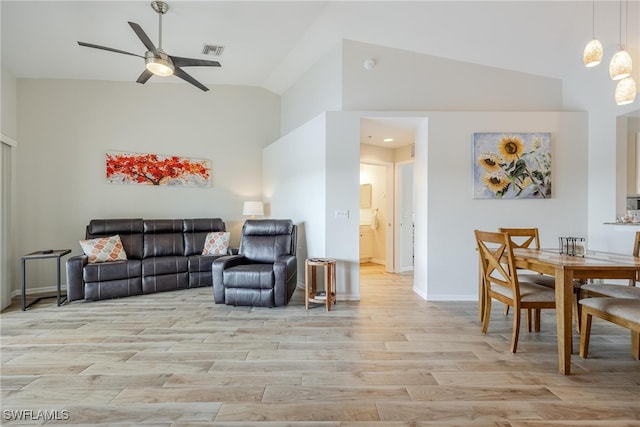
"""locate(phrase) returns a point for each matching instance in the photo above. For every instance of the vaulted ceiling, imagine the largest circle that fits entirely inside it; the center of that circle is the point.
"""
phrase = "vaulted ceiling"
(270, 44)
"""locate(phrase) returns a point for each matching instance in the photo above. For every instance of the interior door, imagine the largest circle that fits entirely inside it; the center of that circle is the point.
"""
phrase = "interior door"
(405, 217)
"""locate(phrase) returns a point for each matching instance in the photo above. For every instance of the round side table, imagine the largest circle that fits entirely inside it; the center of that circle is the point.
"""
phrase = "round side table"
(312, 294)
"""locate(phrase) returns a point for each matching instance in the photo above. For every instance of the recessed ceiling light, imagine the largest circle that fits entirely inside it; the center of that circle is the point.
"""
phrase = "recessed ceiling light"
(388, 140)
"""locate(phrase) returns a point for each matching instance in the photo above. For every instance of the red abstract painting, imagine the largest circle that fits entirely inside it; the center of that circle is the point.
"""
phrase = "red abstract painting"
(155, 169)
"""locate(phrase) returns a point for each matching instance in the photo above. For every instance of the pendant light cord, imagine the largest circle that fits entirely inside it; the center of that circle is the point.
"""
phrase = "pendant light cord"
(626, 23)
(593, 19)
(620, 14)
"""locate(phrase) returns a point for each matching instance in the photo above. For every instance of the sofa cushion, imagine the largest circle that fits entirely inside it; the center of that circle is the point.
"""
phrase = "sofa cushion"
(104, 249)
(264, 241)
(163, 237)
(157, 266)
(199, 263)
(249, 276)
(129, 230)
(216, 243)
(94, 291)
(102, 272)
(165, 282)
(195, 232)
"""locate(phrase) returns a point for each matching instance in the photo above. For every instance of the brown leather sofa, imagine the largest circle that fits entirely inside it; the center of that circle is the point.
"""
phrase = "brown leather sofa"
(264, 272)
(162, 255)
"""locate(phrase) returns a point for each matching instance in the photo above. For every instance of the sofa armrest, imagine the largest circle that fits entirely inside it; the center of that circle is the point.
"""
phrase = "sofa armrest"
(217, 270)
(284, 268)
(75, 282)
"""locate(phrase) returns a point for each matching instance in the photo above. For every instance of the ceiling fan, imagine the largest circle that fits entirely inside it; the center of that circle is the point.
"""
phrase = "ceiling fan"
(157, 61)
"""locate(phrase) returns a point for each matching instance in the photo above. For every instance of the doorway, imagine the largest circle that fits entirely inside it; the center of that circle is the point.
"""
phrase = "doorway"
(387, 152)
(376, 215)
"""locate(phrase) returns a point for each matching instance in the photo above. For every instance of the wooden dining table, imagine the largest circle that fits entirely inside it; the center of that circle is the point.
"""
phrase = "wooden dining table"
(566, 268)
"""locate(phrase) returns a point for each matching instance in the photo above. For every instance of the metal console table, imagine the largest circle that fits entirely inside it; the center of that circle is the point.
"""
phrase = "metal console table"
(56, 253)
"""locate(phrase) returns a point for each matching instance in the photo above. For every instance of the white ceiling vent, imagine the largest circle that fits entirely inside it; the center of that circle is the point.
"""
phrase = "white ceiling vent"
(214, 50)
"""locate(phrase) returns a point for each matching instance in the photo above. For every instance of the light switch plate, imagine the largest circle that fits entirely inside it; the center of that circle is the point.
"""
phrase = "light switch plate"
(342, 214)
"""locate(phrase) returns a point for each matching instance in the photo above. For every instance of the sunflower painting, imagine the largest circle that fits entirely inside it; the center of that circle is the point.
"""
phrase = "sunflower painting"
(512, 165)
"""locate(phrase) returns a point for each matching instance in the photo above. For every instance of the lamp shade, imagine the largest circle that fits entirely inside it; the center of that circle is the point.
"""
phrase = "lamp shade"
(253, 209)
(592, 55)
(625, 91)
(620, 66)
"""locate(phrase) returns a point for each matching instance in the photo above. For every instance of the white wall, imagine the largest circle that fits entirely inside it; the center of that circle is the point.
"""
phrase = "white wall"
(343, 193)
(310, 173)
(453, 214)
(403, 80)
(65, 127)
(294, 186)
(375, 154)
(446, 213)
(8, 117)
(317, 91)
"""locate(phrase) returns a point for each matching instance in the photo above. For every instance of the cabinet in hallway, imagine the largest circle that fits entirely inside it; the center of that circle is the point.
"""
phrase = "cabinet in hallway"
(366, 243)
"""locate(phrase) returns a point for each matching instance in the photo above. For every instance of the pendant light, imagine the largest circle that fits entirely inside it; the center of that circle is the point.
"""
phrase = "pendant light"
(620, 66)
(592, 54)
(625, 91)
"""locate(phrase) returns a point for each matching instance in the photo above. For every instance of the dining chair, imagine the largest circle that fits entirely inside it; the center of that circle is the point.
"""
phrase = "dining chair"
(529, 238)
(501, 282)
(624, 312)
(613, 290)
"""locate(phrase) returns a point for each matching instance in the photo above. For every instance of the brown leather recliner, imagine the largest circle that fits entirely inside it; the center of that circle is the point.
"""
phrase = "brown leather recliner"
(264, 272)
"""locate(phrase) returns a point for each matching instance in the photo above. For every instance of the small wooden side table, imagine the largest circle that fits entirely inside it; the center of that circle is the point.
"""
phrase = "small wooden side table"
(311, 292)
(56, 253)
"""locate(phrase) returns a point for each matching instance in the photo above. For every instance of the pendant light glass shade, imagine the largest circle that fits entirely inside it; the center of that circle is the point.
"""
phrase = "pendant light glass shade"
(620, 66)
(592, 55)
(625, 91)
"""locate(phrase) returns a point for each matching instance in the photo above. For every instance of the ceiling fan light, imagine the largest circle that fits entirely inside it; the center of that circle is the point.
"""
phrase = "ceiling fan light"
(620, 66)
(158, 65)
(625, 91)
(592, 55)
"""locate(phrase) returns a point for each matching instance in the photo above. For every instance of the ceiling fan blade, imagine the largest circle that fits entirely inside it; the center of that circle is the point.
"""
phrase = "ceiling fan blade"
(191, 62)
(179, 72)
(143, 36)
(110, 49)
(146, 74)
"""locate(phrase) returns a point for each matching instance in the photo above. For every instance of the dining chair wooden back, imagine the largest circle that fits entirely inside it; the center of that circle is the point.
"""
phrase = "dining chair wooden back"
(523, 237)
(502, 284)
(528, 238)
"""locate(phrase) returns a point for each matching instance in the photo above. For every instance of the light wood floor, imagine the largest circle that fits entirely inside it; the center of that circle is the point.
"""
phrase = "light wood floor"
(392, 359)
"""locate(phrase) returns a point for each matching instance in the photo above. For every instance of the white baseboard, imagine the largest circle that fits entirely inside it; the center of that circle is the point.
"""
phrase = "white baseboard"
(42, 290)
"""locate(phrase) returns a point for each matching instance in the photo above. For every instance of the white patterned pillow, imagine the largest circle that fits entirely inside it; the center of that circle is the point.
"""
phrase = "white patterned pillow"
(216, 243)
(104, 249)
